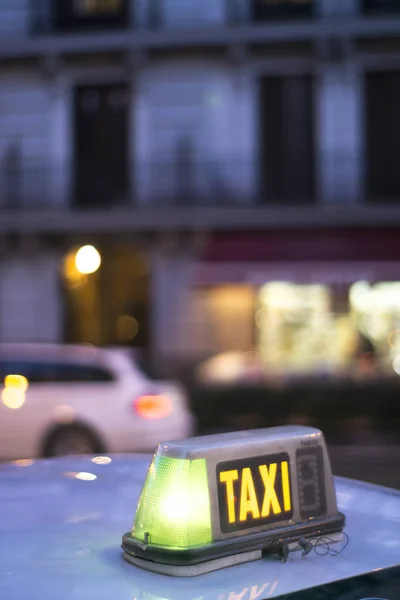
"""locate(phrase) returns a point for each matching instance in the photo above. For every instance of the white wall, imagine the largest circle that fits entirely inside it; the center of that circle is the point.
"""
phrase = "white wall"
(339, 127)
(36, 119)
(207, 103)
(329, 8)
(183, 13)
(30, 302)
(14, 17)
(25, 106)
(171, 283)
(60, 143)
(216, 106)
(193, 13)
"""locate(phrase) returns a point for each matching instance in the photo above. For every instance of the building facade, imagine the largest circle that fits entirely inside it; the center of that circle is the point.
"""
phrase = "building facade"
(234, 162)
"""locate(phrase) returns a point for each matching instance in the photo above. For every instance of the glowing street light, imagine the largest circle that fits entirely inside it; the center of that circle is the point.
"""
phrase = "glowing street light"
(87, 260)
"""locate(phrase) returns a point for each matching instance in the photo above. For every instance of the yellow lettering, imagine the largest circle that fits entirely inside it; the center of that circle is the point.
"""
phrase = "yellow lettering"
(248, 498)
(256, 593)
(228, 477)
(285, 486)
(270, 497)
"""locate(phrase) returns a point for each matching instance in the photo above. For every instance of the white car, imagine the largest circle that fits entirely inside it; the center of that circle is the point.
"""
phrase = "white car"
(60, 399)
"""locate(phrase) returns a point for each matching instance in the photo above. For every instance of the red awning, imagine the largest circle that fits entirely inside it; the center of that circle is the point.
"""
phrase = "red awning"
(304, 245)
(332, 256)
(257, 273)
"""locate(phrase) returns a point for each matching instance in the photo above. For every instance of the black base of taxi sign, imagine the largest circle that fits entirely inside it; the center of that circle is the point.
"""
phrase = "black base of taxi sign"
(214, 501)
(271, 542)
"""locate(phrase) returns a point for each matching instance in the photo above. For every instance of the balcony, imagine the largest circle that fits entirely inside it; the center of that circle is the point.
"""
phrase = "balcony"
(36, 27)
(31, 184)
(163, 193)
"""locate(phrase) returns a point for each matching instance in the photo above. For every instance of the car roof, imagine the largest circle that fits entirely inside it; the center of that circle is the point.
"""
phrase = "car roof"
(56, 351)
(117, 358)
(61, 538)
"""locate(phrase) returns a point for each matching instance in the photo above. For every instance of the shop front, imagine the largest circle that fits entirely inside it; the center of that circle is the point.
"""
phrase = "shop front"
(299, 303)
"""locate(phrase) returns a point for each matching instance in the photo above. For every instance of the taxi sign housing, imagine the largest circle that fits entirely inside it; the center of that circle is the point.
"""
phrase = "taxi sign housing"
(212, 501)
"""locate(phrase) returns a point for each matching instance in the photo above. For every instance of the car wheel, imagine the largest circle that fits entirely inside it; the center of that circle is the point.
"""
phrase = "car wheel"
(71, 440)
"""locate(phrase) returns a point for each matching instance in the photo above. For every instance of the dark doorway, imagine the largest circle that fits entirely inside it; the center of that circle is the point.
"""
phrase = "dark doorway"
(265, 10)
(112, 305)
(382, 113)
(380, 6)
(101, 145)
(287, 139)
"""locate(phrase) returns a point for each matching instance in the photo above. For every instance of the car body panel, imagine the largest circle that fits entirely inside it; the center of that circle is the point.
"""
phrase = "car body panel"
(60, 537)
(104, 408)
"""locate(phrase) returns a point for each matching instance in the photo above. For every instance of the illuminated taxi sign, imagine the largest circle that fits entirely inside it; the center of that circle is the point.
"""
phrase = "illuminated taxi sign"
(253, 492)
(212, 501)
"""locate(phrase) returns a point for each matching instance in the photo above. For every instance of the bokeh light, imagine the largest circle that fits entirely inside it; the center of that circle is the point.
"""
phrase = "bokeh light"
(396, 365)
(87, 260)
(127, 328)
(23, 462)
(101, 460)
(13, 395)
(86, 476)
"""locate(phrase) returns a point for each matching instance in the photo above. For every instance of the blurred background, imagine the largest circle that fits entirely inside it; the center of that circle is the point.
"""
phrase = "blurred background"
(214, 184)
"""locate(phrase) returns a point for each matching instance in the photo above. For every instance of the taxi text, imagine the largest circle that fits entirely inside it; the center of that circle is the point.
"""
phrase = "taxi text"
(274, 500)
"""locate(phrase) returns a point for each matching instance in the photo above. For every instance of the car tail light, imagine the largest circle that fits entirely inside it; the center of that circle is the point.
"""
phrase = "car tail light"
(153, 406)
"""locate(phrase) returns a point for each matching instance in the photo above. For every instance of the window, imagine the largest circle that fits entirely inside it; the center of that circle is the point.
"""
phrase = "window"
(287, 157)
(53, 372)
(101, 125)
(381, 6)
(277, 9)
(88, 14)
(382, 128)
(90, 8)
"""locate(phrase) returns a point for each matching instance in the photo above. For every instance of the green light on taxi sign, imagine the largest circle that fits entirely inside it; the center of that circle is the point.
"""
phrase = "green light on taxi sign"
(174, 507)
(213, 501)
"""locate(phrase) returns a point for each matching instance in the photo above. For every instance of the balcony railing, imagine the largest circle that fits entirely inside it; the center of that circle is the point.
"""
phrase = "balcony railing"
(32, 184)
(231, 182)
(35, 17)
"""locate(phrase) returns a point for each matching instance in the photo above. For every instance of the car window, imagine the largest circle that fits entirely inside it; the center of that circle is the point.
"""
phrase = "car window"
(379, 585)
(53, 372)
(145, 365)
